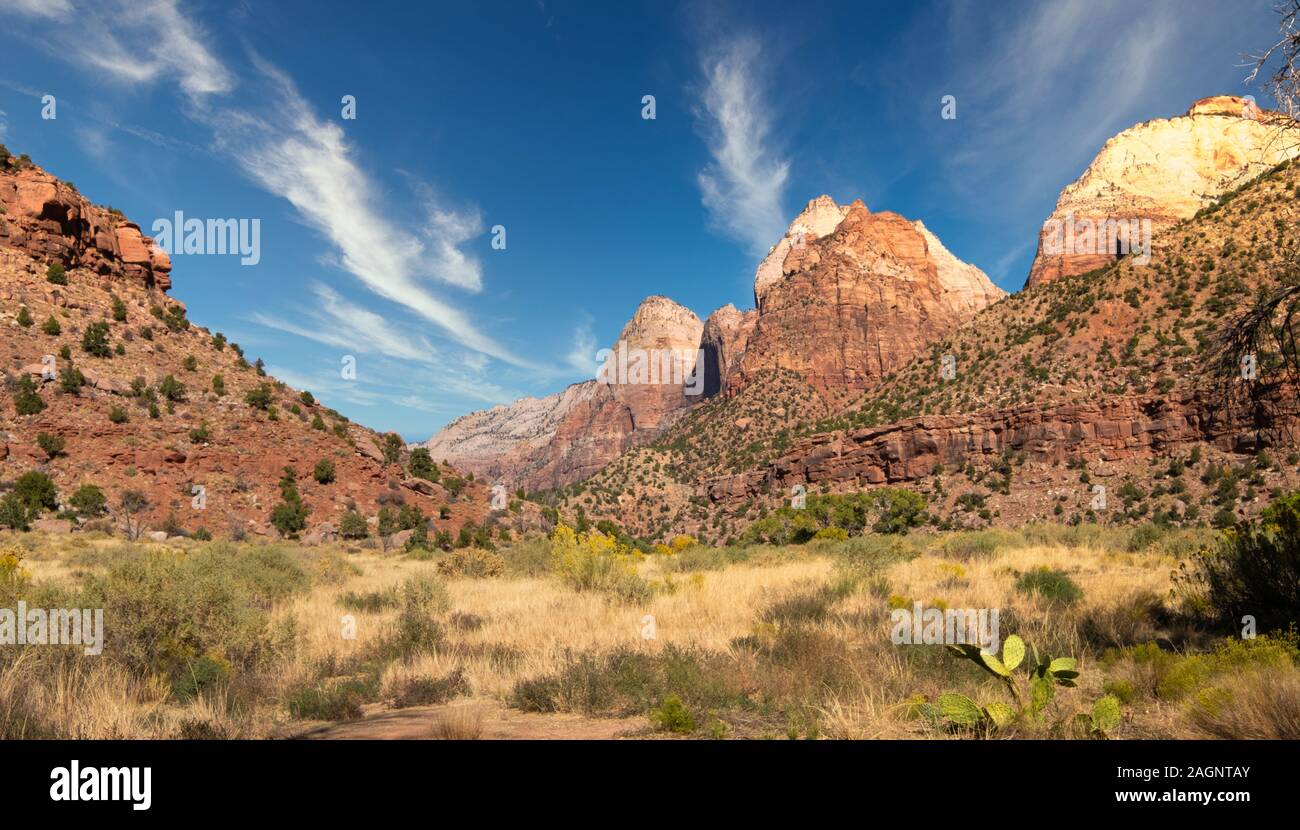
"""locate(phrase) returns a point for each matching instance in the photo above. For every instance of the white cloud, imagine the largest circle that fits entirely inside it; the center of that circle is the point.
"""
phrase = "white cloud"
(743, 186)
(445, 231)
(347, 326)
(308, 162)
(54, 9)
(143, 41)
(582, 357)
(1022, 89)
(285, 148)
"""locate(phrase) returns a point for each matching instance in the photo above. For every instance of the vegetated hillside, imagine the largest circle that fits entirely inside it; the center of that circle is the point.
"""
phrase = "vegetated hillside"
(141, 399)
(1109, 378)
(1125, 329)
(653, 490)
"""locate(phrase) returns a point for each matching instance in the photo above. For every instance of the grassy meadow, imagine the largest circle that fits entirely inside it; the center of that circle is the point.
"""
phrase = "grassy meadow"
(223, 640)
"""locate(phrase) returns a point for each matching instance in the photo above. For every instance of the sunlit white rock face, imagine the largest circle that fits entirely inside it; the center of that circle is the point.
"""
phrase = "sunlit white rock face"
(1163, 170)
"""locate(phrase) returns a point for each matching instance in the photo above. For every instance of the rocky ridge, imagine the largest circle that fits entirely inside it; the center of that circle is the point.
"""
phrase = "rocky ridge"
(164, 407)
(1161, 172)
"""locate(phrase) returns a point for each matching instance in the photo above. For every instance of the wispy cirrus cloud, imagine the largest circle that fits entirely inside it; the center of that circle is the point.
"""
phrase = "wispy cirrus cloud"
(138, 41)
(743, 186)
(335, 321)
(291, 152)
(53, 9)
(446, 229)
(582, 356)
(288, 150)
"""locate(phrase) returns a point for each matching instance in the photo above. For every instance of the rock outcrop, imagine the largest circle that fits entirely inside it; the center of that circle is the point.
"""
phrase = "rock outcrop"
(651, 369)
(51, 221)
(859, 302)
(1158, 173)
(1106, 430)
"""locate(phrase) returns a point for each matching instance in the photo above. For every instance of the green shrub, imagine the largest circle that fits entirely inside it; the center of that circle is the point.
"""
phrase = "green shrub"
(352, 525)
(51, 445)
(171, 389)
(36, 491)
(886, 510)
(51, 327)
(14, 514)
(429, 691)
(170, 610)
(420, 464)
(340, 701)
(1050, 585)
(71, 379)
(1253, 570)
(94, 340)
(118, 415)
(392, 447)
(673, 716)
(89, 501)
(26, 399)
(324, 471)
(24, 317)
(289, 517)
(259, 397)
(56, 274)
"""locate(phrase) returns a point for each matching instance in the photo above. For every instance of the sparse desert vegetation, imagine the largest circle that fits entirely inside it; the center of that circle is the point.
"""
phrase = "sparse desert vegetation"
(561, 635)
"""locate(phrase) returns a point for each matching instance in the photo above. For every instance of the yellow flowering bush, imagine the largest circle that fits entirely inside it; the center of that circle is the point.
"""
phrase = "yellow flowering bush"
(595, 561)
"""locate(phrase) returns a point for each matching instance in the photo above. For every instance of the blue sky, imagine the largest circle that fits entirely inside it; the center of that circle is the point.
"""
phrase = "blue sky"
(376, 232)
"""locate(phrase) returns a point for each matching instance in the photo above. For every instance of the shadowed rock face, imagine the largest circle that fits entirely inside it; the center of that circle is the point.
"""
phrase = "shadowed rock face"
(1161, 171)
(726, 334)
(52, 222)
(856, 304)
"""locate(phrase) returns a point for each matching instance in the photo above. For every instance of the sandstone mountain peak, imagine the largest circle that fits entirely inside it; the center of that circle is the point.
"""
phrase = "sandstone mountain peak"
(820, 217)
(1157, 173)
(849, 295)
(659, 318)
(552, 441)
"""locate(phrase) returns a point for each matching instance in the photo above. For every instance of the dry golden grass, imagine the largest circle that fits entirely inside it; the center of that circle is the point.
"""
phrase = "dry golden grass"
(849, 680)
